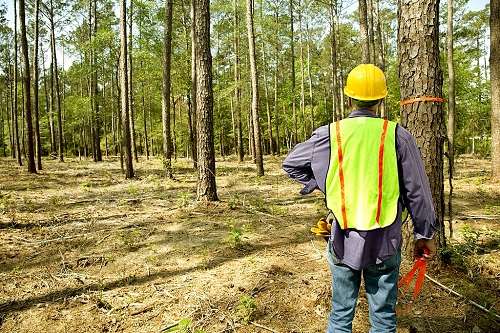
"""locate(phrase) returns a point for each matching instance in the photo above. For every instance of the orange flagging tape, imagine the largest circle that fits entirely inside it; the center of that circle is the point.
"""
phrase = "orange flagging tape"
(419, 269)
(422, 99)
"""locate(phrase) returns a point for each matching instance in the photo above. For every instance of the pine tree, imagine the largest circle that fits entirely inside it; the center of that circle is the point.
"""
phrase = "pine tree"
(423, 119)
(207, 190)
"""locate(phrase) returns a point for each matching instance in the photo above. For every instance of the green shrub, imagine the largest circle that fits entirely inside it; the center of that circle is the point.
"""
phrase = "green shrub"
(246, 308)
(235, 235)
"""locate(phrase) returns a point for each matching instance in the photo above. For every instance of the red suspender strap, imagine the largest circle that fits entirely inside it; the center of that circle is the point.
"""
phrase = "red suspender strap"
(381, 169)
(341, 173)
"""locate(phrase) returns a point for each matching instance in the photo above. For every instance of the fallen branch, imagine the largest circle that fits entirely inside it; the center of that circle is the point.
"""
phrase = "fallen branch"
(478, 217)
(141, 310)
(461, 296)
(263, 327)
(45, 241)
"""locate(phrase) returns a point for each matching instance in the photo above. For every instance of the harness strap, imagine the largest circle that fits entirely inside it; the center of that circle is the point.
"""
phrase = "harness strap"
(381, 169)
(341, 173)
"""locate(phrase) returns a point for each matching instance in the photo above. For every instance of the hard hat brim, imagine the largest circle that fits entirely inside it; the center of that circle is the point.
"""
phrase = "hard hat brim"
(364, 98)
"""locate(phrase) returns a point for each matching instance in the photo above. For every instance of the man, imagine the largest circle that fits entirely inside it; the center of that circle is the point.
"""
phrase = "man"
(369, 169)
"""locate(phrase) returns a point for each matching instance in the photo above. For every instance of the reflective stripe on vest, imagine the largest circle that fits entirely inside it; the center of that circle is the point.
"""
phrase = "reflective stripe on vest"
(362, 187)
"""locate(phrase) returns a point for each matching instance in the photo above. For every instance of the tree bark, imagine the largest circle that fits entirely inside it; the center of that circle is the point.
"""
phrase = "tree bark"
(165, 101)
(56, 85)
(302, 82)
(380, 49)
(333, 33)
(292, 48)
(126, 138)
(495, 86)
(237, 88)
(38, 141)
(12, 108)
(206, 189)
(309, 78)
(371, 30)
(95, 100)
(194, 93)
(451, 112)
(255, 89)
(190, 111)
(266, 90)
(130, 85)
(380, 42)
(2, 121)
(144, 119)
(363, 30)
(15, 110)
(277, 60)
(27, 90)
(49, 105)
(418, 40)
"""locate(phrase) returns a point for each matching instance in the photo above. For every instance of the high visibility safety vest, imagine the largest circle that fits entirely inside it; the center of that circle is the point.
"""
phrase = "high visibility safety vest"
(362, 186)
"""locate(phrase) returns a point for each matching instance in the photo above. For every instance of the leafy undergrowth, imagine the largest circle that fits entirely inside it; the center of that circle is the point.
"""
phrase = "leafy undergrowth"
(82, 250)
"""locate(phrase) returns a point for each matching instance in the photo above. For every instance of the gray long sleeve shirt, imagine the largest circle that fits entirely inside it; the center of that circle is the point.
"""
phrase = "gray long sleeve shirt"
(308, 164)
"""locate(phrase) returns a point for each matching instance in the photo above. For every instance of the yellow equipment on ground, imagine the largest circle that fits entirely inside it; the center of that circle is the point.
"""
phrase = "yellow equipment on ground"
(322, 228)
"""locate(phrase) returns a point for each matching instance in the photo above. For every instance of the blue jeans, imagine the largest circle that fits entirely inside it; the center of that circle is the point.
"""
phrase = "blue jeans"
(381, 284)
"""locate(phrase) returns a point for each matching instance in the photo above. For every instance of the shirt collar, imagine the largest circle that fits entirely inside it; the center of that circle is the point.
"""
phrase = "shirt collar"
(362, 113)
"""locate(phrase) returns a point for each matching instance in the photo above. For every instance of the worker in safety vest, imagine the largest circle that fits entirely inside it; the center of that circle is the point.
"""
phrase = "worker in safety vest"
(369, 169)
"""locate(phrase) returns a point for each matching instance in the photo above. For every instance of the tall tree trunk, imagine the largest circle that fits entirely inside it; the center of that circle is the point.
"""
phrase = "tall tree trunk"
(268, 108)
(12, 108)
(191, 125)
(165, 101)
(56, 85)
(194, 81)
(380, 42)
(130, 84)
(495, 85)
(233, 123)
(266, 90)
(363, 30)
(309, 78)
(8, 108)
(16, 112)
(95, 100)
(49, 109)
(302, 82)
(237, 88)
(277, 60)
(292, 48)
(380, 49)
(418, 40)
(126, 138)
(255, 89)
(23, 117)
(174, 133)
(333, 33)
(27, 89)
(206, 189)
(38, 141)
(371, 30)
(451, 112)
(144, 119)
(2, 122)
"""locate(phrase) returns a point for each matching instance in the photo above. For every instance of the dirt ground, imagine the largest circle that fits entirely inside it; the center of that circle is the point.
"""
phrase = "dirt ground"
(83, 250)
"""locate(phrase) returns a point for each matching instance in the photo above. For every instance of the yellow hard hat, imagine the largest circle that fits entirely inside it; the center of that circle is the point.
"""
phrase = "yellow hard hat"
(366, 82)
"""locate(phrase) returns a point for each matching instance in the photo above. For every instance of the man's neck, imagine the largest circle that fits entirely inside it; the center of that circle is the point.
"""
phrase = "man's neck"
(372, 109)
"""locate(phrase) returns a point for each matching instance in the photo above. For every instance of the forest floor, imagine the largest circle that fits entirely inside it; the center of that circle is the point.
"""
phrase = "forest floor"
(83, 250)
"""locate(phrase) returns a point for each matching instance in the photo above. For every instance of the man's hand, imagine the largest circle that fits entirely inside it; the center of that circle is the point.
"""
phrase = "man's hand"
(421, 245)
